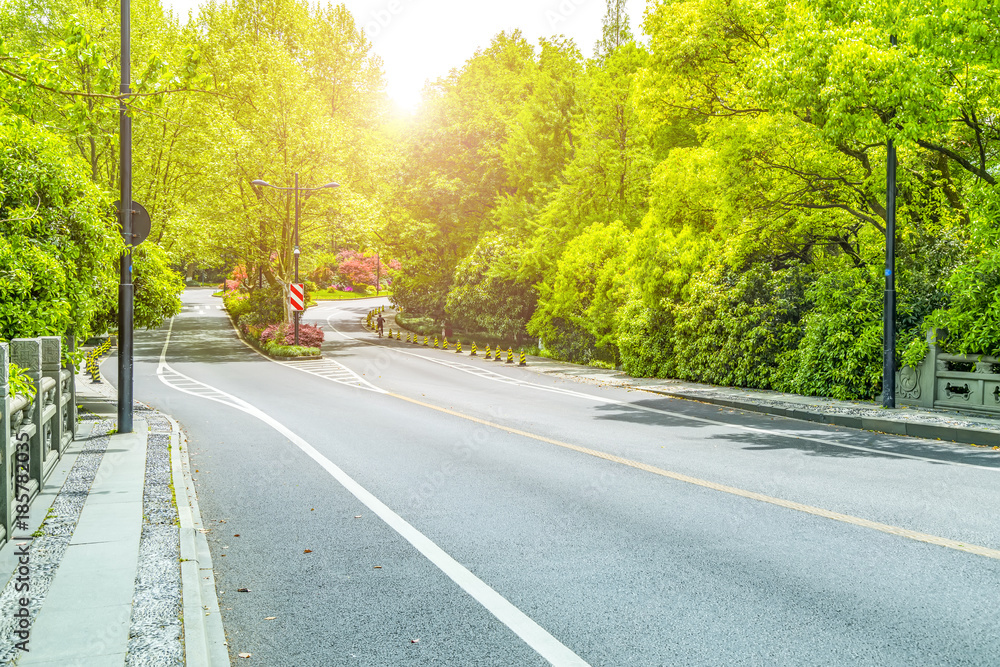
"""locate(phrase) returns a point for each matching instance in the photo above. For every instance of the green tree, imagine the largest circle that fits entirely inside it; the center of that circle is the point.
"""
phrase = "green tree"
(59, 242)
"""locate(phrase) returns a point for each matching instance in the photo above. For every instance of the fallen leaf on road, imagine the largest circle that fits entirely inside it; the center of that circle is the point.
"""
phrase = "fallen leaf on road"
(414, 641)
(242, 590)
(378, 567)
(236, 535)
(244, 655)
(307, 551)
(270, 618)
(358, 516)
(312, 509)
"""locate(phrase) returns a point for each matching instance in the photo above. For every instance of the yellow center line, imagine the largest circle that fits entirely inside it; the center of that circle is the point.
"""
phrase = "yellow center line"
(799, 507)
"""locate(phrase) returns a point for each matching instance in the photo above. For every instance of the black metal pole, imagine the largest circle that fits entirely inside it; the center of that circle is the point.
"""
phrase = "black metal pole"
(125, 289)
(889, 307)
(297, 250)
(378, 273)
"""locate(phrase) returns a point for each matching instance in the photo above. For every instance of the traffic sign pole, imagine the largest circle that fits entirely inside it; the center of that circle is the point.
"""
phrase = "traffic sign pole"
(297, 251)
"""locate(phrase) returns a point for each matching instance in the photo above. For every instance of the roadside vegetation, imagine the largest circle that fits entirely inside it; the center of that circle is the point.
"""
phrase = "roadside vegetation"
(705, 200)
(60, 245)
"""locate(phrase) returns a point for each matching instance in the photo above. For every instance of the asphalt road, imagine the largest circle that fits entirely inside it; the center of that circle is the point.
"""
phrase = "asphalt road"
(398, 505)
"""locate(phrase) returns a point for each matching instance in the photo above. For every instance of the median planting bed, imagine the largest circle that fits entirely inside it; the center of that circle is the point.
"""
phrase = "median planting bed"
(259, 316)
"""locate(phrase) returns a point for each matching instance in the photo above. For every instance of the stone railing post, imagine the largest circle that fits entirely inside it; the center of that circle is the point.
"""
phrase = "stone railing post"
(916, 386)
(71, 407)
(27, 353)
(51, 357)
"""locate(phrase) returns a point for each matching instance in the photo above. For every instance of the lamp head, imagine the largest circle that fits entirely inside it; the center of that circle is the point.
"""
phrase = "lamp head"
(260, 184)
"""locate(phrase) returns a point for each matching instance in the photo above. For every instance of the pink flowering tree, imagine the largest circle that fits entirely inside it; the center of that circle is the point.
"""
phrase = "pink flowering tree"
(357, 269)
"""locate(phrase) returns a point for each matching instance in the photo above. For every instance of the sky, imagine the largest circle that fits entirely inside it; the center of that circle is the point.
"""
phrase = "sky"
(425, 39)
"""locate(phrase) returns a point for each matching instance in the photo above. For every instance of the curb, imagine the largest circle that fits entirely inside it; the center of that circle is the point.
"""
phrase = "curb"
(966, 436)
(204, 636)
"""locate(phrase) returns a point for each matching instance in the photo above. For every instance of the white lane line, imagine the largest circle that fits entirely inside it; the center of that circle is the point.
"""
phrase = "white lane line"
(496, 377)
(528, 630)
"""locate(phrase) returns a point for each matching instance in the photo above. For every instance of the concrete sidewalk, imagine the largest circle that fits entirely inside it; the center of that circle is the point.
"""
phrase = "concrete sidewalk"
(114, 561)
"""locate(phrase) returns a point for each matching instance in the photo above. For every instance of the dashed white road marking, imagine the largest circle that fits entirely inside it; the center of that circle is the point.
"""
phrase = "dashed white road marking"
(534, 635)
(328, 369)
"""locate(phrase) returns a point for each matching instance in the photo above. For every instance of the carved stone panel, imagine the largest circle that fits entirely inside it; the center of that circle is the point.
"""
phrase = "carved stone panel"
(51, 353)
(27, 353)
(991, 394)
(908, 383)
(966, 393)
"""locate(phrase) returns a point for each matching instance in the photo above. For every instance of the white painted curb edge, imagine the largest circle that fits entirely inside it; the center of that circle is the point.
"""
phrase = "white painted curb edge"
(204, 637)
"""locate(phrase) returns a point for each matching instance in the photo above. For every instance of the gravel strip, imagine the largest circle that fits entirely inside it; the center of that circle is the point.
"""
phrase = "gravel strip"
(155, 629)
(57, 531)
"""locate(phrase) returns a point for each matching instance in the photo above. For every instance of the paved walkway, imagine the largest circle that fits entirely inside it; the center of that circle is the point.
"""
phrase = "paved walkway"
(114, 561)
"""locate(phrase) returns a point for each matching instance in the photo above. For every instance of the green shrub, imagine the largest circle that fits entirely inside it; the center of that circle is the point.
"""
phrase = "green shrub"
(484, 299)
(841, 350)
(19, 383)
(59, 242)
(425, 326)
(276, 350)
(733, 326)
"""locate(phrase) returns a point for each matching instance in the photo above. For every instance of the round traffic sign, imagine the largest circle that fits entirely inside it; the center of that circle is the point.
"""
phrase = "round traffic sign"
(140, 222)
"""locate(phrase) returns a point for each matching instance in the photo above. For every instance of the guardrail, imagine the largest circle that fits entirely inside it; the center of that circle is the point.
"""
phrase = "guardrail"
(965, 383)
(37, 431)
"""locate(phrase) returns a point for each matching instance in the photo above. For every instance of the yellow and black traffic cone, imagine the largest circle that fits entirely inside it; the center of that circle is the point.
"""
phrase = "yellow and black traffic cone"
(510, 355)
(436, 344)
(473, 353)
(523, 362)
(93, 367)
(425, 341)
(445, 346)
(489, 354)
(458, 347)
(399, 336)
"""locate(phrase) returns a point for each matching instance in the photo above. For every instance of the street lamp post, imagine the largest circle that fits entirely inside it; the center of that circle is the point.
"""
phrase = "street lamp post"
(889, 302)
(308, 191)
(126, 289)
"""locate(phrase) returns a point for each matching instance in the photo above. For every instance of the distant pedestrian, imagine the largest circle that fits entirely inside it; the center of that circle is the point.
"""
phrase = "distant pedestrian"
(380, 323)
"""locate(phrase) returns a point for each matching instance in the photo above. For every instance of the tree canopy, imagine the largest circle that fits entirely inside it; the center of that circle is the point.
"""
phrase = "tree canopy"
(705, 200)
